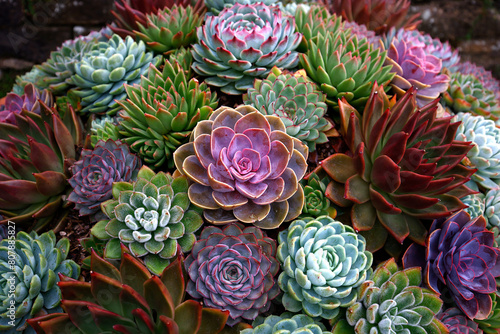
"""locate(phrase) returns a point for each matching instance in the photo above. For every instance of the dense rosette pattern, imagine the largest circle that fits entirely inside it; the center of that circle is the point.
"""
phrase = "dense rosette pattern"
(286, 324)
(233, 269)
(315, 201)
(29, 101)
(216, 6)
(243, 43)
(152, 216)
(296, 101)
(492, 207)
(104, 128)
(485, 153)
(458, 323)
(475, 204)
(486, 77)
(461, 255)
(392, 301)
(31, 264)
(244, 167)
(323, 263)
(95, 172)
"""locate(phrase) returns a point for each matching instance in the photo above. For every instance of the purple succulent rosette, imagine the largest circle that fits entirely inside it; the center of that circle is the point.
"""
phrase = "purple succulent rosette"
(460, 254)
(95, 172)
(415, 67)
(458, 323)
(29, 101)
(233, 269)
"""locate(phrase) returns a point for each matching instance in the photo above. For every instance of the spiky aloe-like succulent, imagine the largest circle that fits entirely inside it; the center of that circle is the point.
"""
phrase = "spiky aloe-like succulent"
(403, 164)
(97, 170)
(244, 167)
(324, 261)
(460, 255)
(486, 77)
(296, 101)
(467, 94)
(243, 43)
(161, 112)
(104, 128)
(30, 265)
(128, 299)
(485, 154)
(315, 201)
(102, 72)
(314, 22)
(29, 101)
(169, 28)
(152, 217)
(345, 67)
(492, 207)
(35, 156)
(216, 6)
(233, 269)
(392, 301)
(286, 323)
(491, 325)
(457, 323)
(377, 15)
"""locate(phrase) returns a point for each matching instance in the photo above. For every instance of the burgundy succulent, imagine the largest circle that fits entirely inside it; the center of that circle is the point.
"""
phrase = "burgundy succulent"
(233, 270)
(458, 323)
(244, 167)
(460, 255)
(14, 103)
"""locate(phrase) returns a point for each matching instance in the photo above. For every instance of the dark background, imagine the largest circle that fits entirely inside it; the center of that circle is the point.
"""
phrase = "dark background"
(30, 29)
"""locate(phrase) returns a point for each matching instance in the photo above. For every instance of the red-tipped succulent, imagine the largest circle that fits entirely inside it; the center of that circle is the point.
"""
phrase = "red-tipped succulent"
(402, 165)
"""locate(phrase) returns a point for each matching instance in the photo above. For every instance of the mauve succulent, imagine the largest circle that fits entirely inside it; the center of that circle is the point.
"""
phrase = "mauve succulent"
(29, 101)
(457, 322)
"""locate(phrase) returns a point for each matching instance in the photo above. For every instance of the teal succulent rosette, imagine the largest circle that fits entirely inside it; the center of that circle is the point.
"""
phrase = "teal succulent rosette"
(323, 261)
(287, 323)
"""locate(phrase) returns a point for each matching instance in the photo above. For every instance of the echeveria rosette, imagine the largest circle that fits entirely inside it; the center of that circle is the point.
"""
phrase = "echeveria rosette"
(102, 72)
(345, 67)
(361, 31)
(97, 170)
(484, 137)
(402, 165)
(287, 323)
(243, 43)
(460, 255)
(392, 301)
(296, 101)
(475, 204)
(324, 262)
(216, 6)
(486, 77)
(31, 264)
(458, 323)
(29, 77)
(233, 269)
(29, 101)
(152, 217)
(104, 128)
(244, 167)
(492, 207)
(315, 201)
(491, 325)
(161, 112)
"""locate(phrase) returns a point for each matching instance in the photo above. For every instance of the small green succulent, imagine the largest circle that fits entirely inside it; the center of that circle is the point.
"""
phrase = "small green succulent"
(104, 128)
(492, 207)
(475, 204)
(287, 323)
(316, 203)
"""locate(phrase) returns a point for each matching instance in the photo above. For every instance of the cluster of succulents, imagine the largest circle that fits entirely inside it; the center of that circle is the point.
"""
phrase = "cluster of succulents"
(251, 167)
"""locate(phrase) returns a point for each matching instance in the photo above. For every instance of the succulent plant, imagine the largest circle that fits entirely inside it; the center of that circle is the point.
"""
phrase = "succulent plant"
(137, 302)
(491, 325)
(30, 77)
(484, 136)
(392, 301)
(29, 101)
(244, 167)
(486, 78)
(324, 261)
(102, 72)
(152, 217)
(233, 269)
(184, 57)
(169, 28)
(377, 15)
(30, 264)
(216, 6)
(104, 128)
(461, 256)
(475, 204)
(296, 101)
(97, 170)
(35, 156)
(315, 201)
(467, 94)
(243, 43)
(161, 112)
(457, 322)
(416, 67)
(492, 207)
(397, 169)
(345, 67)
(286, 323)
(292, 7)
(361, 31)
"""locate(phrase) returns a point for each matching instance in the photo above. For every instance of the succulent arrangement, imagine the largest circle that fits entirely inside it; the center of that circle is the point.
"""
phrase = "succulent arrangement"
(249, 167)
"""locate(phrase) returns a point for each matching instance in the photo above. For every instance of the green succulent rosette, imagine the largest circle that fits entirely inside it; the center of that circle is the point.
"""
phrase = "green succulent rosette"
(287, 323)
(491, 324)
(184, 57)
(104, 128)
(31, 264)
(316, 203)
(22, 81)
(161, 112)
(323, 262)
(152, 216)
(102, 72)
(475, 205)
(492, 207)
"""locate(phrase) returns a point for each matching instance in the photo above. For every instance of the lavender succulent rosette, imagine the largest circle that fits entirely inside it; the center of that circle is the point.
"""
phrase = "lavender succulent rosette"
(233, 270)
(30, 101)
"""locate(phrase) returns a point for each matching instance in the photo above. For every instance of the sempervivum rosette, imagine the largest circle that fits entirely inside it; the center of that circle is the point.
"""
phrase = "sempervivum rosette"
(233, 270)
(460, 255)
(458, 323)
(29, 101)
(324, 261)
(486, 78)
(415, 67)
(475, 204)
(243, 43)
(95, 172)
(244, 167)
